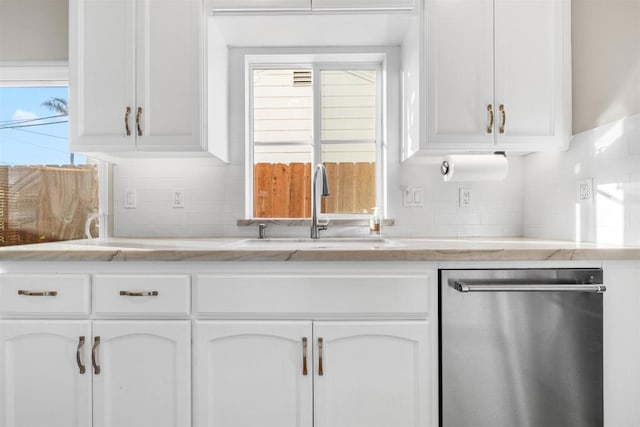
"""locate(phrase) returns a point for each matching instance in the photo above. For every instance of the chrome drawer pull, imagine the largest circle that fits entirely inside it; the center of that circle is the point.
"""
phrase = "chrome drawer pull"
(527, 287)
(81, 366)
(37, 293)
(94, 355)
(139, 293)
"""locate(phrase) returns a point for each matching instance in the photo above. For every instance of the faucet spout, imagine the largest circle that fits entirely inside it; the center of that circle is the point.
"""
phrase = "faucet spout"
(315, 228)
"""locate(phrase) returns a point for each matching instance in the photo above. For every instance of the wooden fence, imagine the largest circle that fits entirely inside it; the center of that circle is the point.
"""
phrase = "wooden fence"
(284, 190)
(46, 203)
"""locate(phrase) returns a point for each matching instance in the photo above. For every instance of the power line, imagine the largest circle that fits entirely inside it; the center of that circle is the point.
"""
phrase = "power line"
(12, 122)
(38, 124)
(44, 147)
(43, 134)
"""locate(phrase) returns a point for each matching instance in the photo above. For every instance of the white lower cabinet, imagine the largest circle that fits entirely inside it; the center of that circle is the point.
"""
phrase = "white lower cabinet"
(141, 373)
(42, 382)
(252, 374)
(303, 373)
(621, 344)
(374, 374)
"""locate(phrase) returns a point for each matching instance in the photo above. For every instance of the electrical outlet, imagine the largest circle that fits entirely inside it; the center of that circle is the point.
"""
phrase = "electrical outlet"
(130, 199)
(178, 199)
(584, 189)
(465, 198)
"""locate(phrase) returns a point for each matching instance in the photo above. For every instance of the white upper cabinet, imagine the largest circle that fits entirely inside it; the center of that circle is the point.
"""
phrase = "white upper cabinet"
(497, 75)
(363, 4)
(260, 5)
(135, 76)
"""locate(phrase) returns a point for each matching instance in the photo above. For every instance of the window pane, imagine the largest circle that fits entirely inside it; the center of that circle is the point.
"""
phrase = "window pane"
(41, 203)
(348, 105)
(282, 109)
(351, 170)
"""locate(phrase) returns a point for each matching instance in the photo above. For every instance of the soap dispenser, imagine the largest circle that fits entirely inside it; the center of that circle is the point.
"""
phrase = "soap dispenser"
(375, 223)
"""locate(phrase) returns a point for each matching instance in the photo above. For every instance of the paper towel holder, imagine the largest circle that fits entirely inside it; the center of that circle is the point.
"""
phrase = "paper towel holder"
(444, 167)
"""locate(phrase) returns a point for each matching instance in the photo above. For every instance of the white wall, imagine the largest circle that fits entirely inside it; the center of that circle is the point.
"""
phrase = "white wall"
(609, 154)
(606, 61)
(214, 201)
(34, 30)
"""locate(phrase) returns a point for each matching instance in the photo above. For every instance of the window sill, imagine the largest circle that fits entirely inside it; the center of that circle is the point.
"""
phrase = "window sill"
(292, 222)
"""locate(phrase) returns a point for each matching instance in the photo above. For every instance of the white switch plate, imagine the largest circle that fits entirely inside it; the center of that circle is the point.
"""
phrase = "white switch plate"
(178, 198)
(130, 197)
(412, 197)
(465, 198)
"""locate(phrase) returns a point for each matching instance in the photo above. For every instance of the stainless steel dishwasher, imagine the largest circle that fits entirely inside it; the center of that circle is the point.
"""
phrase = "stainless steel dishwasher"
(521, 348)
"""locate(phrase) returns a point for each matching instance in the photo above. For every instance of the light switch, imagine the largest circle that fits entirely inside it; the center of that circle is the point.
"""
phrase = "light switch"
(130, 199)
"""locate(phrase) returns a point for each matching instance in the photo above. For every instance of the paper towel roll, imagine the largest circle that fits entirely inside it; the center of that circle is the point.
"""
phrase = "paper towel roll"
(475, 167)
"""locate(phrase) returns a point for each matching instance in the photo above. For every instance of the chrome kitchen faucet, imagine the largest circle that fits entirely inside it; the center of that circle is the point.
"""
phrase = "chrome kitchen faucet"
(314, 200)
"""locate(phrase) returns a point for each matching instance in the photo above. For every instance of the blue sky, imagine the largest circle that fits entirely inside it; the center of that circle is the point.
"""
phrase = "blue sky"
(33, 145)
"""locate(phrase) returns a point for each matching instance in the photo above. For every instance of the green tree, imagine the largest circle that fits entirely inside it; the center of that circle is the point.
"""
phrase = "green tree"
(59, 105)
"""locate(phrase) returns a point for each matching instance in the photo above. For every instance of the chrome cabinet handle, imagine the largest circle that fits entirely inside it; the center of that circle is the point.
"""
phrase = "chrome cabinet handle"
(37, 293)
(490, 110)
(503, 112)
(320, 367)
(94, 356)
(138, 114)
(461, 286)
(127, 113)
(139, 293)
(81, 366)
(304, 356)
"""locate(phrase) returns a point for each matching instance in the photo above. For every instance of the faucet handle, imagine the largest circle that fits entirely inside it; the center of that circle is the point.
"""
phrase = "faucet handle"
(262, 228)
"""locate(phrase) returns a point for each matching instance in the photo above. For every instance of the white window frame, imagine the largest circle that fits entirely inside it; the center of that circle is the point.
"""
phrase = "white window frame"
(318, 62)
(56, 74)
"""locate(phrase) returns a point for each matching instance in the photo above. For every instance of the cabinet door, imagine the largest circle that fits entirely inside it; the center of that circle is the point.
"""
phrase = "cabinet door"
(373, 374)
(252, 374)
(459, 76)
(169, 73)
(144, 376)
(101, 75)
(40, 379)
(621, 344)
(532, 68)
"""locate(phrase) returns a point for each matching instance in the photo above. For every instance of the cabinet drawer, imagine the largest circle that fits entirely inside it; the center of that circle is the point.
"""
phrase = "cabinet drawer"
(315, 295)
(44, 294)
(141, 294)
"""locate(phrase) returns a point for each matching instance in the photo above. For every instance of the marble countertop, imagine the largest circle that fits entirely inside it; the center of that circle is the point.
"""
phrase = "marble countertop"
(327, 249)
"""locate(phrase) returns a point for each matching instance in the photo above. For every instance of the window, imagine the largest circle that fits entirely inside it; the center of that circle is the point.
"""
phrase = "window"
(46, 193)
(304, 114)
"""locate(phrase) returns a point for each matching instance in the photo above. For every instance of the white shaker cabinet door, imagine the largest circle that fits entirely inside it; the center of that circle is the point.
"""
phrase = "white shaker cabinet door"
(144, 374)
(459, 73)
(41, 380)
(252, 374)
(168, 75)
(371, 374)
(101, 75)
(532, 80)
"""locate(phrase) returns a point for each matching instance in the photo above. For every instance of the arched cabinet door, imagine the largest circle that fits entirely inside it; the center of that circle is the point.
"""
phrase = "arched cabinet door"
(253, 374)
(371, 374)
(41, 380)
(141, 373)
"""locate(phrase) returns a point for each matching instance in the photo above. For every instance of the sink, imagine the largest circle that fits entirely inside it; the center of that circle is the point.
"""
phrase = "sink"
(322, 243)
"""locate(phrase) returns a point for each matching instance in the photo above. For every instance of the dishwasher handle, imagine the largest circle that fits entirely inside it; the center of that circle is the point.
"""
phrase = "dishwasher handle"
(462, 286)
